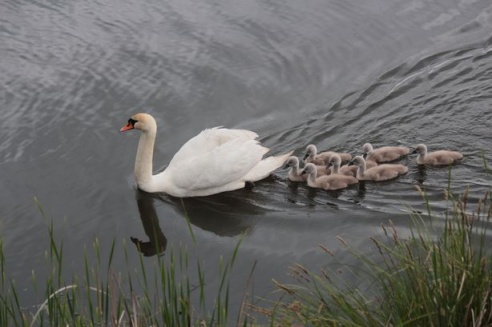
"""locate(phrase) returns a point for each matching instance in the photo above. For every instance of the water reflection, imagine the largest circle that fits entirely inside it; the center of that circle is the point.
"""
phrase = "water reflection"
(421, 174)
(361, 192)
(157, 242)
(225, 214)
(228, 214)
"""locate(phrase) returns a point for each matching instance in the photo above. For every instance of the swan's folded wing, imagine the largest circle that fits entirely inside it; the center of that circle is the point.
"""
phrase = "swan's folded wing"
(226, 163)
(210, 139)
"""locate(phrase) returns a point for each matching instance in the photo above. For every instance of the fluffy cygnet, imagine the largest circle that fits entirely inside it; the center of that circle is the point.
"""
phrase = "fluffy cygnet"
(379, 173)
(329, 182)
(385, 153)
(436, 158)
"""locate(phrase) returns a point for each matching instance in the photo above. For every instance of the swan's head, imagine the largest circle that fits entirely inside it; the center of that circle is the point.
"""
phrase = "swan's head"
(335, 160)
(310, 151)
(309, 169)
(358, 161)
(141, 121)
(420, 149)
(292, 162)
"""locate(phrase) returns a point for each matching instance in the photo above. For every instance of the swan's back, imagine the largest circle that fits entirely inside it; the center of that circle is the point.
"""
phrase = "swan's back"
(218, 160)
(209, 139)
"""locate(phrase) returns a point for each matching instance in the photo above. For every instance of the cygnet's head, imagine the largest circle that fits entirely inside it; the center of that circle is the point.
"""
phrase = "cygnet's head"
(358, 161)
(420, 149)
(335, 160)
(309, 169)
(292, 162)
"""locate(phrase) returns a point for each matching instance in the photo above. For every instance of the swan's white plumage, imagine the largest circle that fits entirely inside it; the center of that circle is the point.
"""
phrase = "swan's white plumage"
(214, 161)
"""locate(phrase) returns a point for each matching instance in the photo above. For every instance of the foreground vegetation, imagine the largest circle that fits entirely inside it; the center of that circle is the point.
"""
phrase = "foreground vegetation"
(438, 276)
(435, 277)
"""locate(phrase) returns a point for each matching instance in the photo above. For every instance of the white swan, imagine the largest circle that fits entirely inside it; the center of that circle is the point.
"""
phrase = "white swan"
(322, 158)
(329, 182)
(379, 173)
(436, 158)
(385, 153)
(335, 163)
(214, 161)
(294, 173)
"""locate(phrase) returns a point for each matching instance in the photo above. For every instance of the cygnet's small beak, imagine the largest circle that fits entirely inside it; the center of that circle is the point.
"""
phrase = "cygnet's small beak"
(303, 172)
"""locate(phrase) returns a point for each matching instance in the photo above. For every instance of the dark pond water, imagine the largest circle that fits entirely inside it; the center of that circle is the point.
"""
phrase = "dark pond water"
(334, 73)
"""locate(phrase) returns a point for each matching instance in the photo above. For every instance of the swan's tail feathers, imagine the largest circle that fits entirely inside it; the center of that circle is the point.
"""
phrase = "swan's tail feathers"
(266, 166)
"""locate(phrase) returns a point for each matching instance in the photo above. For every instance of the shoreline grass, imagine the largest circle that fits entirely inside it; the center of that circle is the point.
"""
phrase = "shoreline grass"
(439, 274)
(426, 279)
(163, 295)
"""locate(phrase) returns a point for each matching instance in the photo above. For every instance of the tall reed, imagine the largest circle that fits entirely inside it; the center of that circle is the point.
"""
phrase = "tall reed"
(163, 295)
(421, 280)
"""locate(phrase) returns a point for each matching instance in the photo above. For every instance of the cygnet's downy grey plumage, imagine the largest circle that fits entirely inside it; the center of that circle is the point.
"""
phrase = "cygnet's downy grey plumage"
(322, 158)
(327, 182)
(295, 171)
(379, 173)
(436, 158)
(385, 153)
(335, 163)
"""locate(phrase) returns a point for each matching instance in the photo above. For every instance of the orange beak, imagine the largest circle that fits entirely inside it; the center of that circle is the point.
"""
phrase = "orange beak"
(127, 127)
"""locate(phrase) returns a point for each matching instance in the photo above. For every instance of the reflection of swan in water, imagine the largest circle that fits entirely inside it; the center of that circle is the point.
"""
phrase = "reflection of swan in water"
(157, 241)
(226, 214)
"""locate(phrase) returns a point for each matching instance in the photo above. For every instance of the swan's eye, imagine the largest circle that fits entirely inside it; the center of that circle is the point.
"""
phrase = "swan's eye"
(132, 121)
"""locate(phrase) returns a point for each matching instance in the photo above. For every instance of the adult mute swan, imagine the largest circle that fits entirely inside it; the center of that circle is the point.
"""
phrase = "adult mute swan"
(214, 161)
(436, 158)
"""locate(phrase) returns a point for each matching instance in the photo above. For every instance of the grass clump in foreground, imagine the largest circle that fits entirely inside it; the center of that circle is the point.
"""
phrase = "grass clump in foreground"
(163, 296)
(420, 280)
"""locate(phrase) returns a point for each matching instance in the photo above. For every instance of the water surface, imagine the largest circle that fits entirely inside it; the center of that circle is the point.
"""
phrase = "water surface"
(337, 74)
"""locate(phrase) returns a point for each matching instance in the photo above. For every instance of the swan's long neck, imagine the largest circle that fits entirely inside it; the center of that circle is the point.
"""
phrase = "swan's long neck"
(143, 160)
